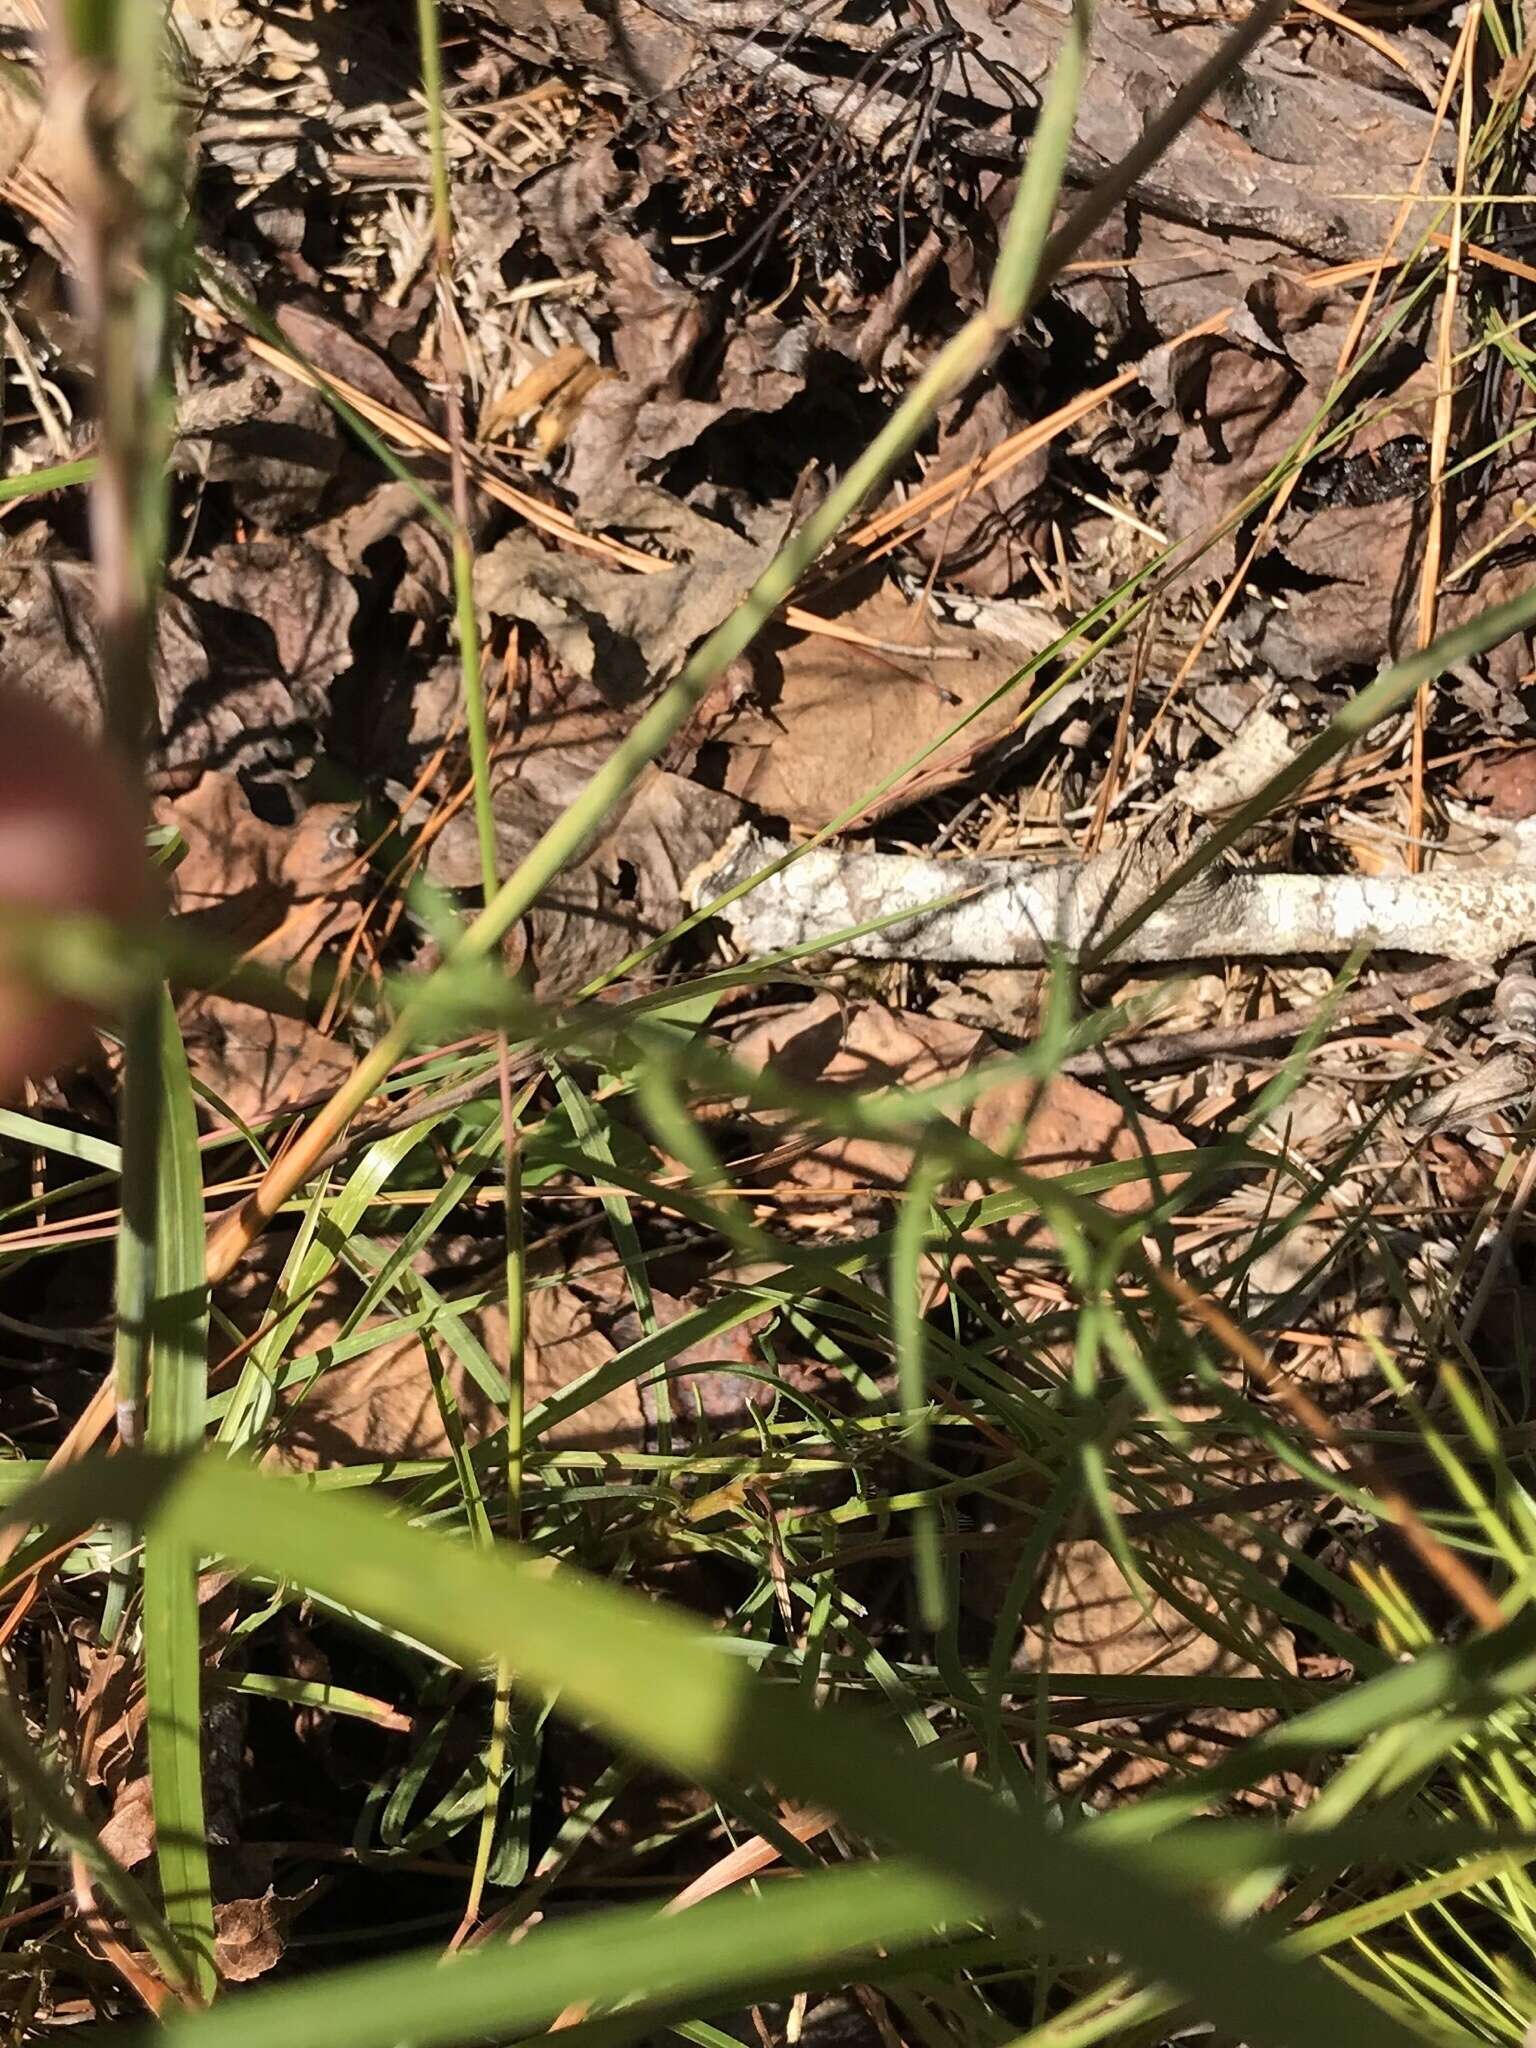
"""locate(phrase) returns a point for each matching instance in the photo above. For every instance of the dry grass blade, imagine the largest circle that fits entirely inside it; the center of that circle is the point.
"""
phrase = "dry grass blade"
(1280, 497)
(1462, 1583)
(1440, 436)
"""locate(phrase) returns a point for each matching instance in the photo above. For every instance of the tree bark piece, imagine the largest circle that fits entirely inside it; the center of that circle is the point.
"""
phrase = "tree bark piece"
(1007, 913)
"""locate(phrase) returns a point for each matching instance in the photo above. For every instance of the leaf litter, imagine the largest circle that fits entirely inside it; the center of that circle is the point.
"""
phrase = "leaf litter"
(695, 261)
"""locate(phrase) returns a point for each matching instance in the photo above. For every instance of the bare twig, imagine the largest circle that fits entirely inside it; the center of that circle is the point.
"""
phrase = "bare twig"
(1422, 988)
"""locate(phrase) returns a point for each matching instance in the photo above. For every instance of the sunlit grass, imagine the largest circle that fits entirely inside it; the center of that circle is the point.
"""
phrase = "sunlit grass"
(996, 1395)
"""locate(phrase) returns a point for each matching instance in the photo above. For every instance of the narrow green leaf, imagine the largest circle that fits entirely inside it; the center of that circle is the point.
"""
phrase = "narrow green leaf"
(720, 1951)
(658, 1685)
(44, 1137)
(58, 476)
(178, 1391)
(908, 1242)
(329, 1224)
(310, 1692)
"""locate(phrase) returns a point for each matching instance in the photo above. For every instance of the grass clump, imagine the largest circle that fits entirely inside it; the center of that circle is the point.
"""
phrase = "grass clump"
(1014, 1404)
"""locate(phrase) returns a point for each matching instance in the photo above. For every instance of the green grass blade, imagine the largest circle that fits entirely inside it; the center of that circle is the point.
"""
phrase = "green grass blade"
(713, 1954)
(133, 1280)
(44, 1137)
(1029, 223)
(330, 1224)
(908, 1241)
(658, 1685)
(727, 1949)
(178, 1392)
(58, 476)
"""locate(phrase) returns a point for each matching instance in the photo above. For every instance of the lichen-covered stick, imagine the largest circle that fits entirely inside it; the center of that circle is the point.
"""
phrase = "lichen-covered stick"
(1011, 913)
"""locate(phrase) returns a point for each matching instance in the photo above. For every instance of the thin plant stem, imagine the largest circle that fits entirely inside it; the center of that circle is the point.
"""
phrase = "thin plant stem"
(473, 677)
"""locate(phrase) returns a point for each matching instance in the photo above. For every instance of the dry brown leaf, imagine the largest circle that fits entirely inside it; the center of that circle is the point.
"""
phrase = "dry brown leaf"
(624, 892)
(248, 1937)
(1462, 1176)
(837, 720)
(382, 1405)
(566, 1340)
(1506, 783)
(271, 440)
(378, 1405)
(1089, 1620)
(628, 633)
(275, 894)
(1183, 276)
(984, 545)
(1096, 1622)
(276, 612)
(269, 888)
(48, 638)
(1359, 605)
(1239, 404)
(643, 49)
(702, 1385)
(864, 1046)
(392, 514)
(658, 326)
(1234, 412)
(248, 646)
(128, 1833)
(1085, 1618)
(1353, 604)
(566, 205)
(568, 729)
(1495, 538)
(669, 826)
(328, 347)
(109, 1710)
(254, 1061)
(1051, 1130)
(761, 369)
(1065, 1126)
(252, 1915)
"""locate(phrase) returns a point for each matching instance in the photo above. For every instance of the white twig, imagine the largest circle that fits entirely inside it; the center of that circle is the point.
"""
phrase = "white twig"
(1010, 913)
